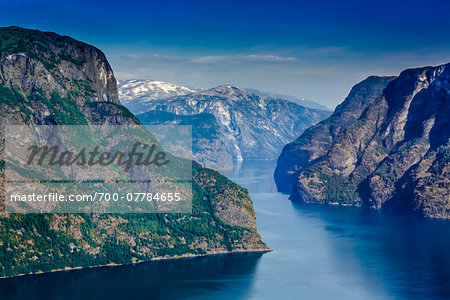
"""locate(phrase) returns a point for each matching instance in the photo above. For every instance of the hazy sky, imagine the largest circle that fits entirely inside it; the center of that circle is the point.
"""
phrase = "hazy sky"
(310, 49)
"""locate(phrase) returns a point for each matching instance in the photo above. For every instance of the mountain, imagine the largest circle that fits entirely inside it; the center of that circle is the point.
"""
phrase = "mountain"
(396, 155)
(302, 102)
(50, 79)
(253, 127)
(209, 145)
(315, 142)
(135, 93)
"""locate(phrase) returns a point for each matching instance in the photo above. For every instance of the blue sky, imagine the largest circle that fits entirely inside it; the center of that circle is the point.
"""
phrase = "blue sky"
(310, 49)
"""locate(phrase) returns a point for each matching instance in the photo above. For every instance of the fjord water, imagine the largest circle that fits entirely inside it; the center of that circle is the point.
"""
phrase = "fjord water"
(320, 252)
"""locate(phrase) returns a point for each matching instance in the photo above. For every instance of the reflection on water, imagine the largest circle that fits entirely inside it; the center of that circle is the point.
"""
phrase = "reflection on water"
(320, 252)
(187, 278)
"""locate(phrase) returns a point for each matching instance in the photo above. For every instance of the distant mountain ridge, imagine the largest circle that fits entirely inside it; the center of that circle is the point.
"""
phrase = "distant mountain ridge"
(254, 127)
(133, 92)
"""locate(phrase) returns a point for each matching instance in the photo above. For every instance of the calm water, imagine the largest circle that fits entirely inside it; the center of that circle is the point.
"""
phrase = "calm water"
(319, 253)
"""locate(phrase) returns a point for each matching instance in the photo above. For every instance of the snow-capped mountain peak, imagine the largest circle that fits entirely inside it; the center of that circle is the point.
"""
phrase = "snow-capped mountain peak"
(148, 90)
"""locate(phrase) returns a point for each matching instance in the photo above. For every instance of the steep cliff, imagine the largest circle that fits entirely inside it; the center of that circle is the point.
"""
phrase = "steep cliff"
(315, 142)
(396, 155)
(49, 79)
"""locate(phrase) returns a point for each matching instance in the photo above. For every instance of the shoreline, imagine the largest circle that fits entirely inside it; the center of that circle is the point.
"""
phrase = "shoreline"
(155, 259)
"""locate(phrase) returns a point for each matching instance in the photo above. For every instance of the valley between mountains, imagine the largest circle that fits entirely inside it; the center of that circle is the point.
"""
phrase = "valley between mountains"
(386, 146)
(230, 124)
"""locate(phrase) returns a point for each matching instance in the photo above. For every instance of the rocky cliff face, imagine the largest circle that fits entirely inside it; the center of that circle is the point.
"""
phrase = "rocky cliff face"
(253, 127)
(315, 142)
(396, 155)
(34, 60)
(49, 79)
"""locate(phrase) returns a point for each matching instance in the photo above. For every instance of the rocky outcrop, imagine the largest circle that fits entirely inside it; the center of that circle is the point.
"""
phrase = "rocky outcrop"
(32, 60)
(49, 79)
(395, 156)
(315, 142)
(253, 127)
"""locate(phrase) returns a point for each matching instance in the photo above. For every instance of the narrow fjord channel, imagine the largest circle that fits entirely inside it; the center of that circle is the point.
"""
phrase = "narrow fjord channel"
(320, 252)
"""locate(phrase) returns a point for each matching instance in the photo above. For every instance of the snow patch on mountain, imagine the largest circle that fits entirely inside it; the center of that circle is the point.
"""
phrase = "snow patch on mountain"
(148, 90)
